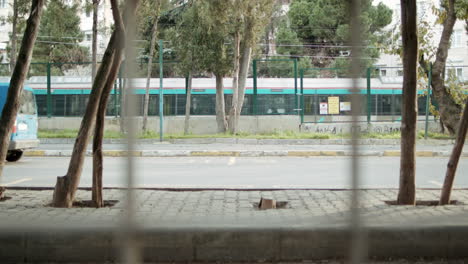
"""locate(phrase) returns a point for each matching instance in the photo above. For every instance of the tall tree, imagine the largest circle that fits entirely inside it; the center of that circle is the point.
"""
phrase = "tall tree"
(447, 92)
(95, 36)
(449, 110)
(20, 9)
(407, 189)
(14, 32)
(20, 71)
(155, 9)
(249, 20)
(323, 25)
(454, 158)
(190, 46)
(67, 185)
(218, 59)
(97, 186)
(60, 36)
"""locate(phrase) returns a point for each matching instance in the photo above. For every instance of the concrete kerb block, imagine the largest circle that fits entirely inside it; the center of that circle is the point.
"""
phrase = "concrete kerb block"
(334, 141)
(165, 153)
(214, 153)
(121, 153)
(226, 140)
(34, 153)
(304, 153)
(52, 153)
(367, 153)
(66, 153)
(425, 154)
(247, 141)
(275, 153)
(332, 153)
(270, 141)
(251, 153)
(391, 153)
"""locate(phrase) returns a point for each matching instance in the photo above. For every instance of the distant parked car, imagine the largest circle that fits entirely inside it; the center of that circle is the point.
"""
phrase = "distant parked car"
(24, 132)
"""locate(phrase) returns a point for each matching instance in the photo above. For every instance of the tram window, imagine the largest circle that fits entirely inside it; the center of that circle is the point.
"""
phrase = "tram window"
(41, 101)
(58, 105)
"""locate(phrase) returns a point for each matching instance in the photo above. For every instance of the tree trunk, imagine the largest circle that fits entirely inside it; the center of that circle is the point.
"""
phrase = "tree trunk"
(243, 72)
(66, 186)
(154, 31)
(94, 44)
(454, 158)
(449, 111)
(235, 84)
(220, 105)
(407, 191)
(243, 68)
(99, 131)
(14, 38)
(188, 102)
(20, 71)
(101, 113)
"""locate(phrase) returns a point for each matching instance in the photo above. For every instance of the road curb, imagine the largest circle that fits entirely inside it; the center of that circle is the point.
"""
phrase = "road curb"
(234, 244)
(240, 153)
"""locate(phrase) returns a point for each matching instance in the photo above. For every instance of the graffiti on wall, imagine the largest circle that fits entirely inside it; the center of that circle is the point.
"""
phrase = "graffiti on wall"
(346, 128)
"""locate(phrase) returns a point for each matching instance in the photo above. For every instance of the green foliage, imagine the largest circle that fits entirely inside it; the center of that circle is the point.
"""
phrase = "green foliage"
(434, 135)
(280, 69)
(325, 24)
(59, 37)
(427, 52)
(287, 41)
(457, 89)
(189, 40)
(147, 11)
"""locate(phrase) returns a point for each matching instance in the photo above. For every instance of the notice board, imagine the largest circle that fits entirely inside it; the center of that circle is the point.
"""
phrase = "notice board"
(333, 105)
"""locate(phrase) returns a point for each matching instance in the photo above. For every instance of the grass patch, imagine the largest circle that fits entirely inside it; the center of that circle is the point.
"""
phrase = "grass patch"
(274, 135)
(393, 135)
(69, 133)
(434, 135)
(66, 133)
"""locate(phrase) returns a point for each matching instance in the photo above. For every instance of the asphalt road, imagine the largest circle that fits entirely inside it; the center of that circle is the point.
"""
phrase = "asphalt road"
(237, 172)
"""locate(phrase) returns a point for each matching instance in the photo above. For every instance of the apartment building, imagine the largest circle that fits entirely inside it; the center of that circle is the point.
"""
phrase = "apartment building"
(457, 54)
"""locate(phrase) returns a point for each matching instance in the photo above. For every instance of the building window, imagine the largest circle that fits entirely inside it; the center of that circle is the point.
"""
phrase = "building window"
(3, 3)
(459, 72)
(383, 73)
(89, 37)
(400, 72)
(456, 39)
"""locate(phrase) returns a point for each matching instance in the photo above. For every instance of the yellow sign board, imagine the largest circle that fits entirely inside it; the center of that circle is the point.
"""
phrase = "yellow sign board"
(333, 105)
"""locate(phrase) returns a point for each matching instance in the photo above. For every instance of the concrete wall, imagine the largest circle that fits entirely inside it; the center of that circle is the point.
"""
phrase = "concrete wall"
(250, 124)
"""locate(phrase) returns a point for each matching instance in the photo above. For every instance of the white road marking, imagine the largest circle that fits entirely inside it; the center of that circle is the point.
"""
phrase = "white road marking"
(231, 161)
(16, 182)
(436, 183)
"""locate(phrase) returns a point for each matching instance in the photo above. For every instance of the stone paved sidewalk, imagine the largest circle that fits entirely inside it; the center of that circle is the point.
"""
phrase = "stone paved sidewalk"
(211, 208)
